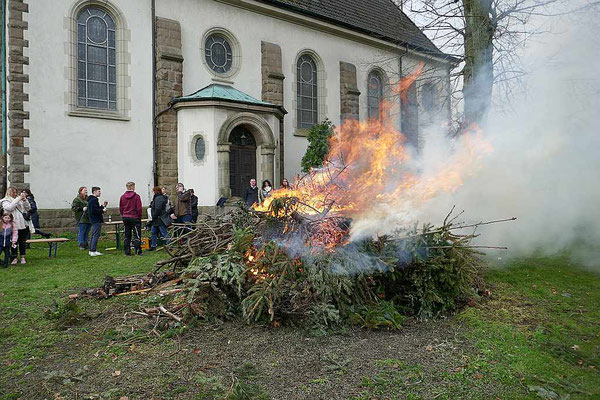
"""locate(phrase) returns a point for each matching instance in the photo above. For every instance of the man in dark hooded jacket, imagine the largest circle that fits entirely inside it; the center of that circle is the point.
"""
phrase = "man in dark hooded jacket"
(96, 212)
(130, 207)
(251, 194)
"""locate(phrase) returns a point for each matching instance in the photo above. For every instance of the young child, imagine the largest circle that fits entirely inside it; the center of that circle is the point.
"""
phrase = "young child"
(8, 236)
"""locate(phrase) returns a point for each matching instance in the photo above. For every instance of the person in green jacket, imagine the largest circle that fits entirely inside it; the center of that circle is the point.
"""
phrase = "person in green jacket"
(79, 208)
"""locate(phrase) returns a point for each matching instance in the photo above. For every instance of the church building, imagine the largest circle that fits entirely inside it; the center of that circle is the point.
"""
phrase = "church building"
(210, 93)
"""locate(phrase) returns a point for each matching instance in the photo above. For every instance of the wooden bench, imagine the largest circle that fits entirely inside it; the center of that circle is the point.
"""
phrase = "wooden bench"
(52, 244)
(117, 234)
(119, 230)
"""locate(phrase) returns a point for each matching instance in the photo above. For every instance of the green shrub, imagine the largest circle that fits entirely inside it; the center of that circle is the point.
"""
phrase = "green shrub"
(376, 316)
(318, 145)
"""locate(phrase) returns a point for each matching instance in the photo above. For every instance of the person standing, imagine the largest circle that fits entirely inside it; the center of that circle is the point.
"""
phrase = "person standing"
(251, 194)
(130, 207)
(159, 211)
(194, 205)
(79, 208)
(183, 205)
(96, 213)
(9, 237)
(19, 207)
(265, 190)
(170, 209)
(33, 213)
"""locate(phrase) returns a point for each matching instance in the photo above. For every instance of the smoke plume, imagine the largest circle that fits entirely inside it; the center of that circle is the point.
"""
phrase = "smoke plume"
(544, 168)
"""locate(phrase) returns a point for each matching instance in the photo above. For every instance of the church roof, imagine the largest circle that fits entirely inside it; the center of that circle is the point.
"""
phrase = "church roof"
(219, 92)
(381, 19)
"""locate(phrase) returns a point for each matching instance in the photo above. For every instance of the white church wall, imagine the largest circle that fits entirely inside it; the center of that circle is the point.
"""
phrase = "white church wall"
(250, 29)
(200, 175)
(66, 151)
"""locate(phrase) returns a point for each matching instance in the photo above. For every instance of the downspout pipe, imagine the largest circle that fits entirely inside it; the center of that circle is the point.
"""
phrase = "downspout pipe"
(4, 132)
(154, 115)
(402, 53)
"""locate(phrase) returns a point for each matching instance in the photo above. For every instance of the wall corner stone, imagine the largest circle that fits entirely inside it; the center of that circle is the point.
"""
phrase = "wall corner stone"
(272, 88)
(17, 76)
(169, 84)
(349, 93)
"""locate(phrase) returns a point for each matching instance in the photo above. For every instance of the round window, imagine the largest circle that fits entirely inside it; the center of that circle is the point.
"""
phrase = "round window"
(200, 148)
(218, 53)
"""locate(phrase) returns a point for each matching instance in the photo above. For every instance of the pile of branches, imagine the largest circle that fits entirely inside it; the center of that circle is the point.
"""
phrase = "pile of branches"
(234, 266)
(207, 236)
(131, 284)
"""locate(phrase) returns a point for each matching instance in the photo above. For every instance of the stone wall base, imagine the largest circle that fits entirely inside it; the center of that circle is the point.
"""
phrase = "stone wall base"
(62, 220)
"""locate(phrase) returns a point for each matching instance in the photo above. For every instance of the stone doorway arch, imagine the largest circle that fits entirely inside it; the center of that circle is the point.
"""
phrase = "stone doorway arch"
(265, 148)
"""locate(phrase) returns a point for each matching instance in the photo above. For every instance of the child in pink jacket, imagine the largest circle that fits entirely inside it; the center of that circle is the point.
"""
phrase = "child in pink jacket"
(8, 236)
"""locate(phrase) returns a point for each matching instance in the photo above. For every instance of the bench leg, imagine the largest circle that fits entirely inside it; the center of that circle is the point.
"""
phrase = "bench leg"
(118, 240)
(49, 249)
(55, 249)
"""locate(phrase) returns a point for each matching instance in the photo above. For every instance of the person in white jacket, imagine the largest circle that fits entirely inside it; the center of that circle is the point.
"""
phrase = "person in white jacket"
(19, 207)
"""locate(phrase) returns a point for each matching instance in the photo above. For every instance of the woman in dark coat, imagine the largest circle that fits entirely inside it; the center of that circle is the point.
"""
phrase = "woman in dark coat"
(160, 216)
(33, 213)
(194, 206)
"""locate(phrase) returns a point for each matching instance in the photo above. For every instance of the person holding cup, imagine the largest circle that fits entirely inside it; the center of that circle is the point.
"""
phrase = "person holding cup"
(96, 214)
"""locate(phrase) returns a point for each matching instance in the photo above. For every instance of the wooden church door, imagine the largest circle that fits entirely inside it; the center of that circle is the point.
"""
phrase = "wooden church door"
(242, 160)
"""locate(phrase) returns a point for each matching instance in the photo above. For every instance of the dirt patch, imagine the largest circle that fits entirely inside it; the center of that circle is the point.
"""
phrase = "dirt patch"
(99, 362)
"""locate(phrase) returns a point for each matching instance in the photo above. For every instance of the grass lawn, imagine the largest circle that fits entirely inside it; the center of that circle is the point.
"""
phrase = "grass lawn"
(536, 336)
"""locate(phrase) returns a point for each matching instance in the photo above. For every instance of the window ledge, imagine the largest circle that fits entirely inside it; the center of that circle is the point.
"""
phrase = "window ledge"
(98, 114)
(301, 132)
(276, 75)
(222, 80)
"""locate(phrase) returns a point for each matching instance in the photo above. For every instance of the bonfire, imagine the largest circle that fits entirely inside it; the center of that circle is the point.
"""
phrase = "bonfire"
(342, 244)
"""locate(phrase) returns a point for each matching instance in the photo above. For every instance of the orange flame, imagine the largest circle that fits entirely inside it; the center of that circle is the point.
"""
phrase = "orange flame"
(368, 173)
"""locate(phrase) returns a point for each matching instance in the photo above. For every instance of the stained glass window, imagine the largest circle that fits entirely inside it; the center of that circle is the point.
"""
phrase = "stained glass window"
(96, 59)
(428, 96)
(200, 148)
(374, 94)
(307, 106)
(218, 53)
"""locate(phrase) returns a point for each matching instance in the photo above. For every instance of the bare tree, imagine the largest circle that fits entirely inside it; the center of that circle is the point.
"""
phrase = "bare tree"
(486, 36)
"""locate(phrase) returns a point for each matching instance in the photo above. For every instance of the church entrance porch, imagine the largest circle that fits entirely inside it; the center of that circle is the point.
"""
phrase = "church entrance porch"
(242, 160)
(238, 136)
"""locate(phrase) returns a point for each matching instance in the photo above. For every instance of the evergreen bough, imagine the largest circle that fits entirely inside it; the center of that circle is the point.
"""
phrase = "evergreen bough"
(318, 145)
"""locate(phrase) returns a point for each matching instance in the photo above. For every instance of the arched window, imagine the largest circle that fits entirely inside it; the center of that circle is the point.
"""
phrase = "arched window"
(307, 104)
(374, 94)
(428, 96)
(96, 59)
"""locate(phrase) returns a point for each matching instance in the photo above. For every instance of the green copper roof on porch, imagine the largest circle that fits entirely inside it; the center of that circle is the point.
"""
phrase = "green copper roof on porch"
(221, 93)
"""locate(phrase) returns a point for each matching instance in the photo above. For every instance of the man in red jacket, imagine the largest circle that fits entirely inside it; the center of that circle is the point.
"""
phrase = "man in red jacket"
(130, 207)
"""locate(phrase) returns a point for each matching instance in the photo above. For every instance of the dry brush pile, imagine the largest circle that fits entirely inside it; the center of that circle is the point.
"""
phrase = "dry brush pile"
(243, 265)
